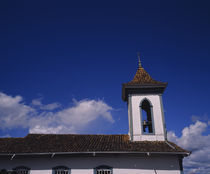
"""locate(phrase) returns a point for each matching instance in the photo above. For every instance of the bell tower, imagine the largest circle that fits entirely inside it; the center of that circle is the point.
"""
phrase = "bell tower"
(143, 95)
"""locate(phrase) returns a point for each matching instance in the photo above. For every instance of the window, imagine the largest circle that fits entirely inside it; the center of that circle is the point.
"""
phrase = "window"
(103, 170)
(146, 116)
(22, 170)
(61, 170)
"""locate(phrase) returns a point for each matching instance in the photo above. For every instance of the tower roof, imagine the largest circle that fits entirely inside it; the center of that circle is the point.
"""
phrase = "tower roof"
(143, 78)
(142, 83)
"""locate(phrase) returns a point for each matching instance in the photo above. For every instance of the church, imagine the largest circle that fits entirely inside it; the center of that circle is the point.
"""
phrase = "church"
(144, 150)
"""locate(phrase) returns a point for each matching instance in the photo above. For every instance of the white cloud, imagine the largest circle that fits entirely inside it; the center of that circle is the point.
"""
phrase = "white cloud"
(13, 112)
(85, 111)
(72, 119)
(50, 107)
(53, 130)
(194, 139)
(40, 118)
(36, 102)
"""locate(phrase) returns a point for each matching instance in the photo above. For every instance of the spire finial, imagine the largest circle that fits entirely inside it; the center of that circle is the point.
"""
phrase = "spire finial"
(139, 59)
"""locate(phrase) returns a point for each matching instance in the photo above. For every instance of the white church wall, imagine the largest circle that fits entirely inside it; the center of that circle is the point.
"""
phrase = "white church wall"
(130, 121)
(126, 164)
(158, 118)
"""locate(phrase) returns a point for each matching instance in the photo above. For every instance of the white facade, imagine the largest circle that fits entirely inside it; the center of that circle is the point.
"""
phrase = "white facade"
(135, 117)
(121, 164)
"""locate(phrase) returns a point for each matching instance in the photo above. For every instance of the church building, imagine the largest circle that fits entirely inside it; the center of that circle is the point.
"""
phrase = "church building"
(144, 150)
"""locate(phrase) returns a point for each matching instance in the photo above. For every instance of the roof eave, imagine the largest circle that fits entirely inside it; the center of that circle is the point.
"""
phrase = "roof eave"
(95, 152)
(142, 89)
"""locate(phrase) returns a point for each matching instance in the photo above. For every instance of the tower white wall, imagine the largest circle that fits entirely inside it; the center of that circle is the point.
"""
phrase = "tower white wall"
(134, 112)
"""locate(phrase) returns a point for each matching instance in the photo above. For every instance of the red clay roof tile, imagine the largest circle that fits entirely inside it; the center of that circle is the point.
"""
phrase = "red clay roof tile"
(44, 143)
(142, 77)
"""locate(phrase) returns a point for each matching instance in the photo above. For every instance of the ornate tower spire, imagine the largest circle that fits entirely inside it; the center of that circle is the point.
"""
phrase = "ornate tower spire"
(142, 78)
(139, 59)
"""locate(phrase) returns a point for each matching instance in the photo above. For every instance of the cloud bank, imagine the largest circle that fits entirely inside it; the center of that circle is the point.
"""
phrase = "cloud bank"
(51, 118)
(196, 139)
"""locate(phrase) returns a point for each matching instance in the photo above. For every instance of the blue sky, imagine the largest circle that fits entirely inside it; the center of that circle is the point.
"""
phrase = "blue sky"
(59, 56)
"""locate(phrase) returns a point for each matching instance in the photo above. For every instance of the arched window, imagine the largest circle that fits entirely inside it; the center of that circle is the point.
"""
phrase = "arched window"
(21, 170)
(146, 116)
(103, 170)
(61, 170)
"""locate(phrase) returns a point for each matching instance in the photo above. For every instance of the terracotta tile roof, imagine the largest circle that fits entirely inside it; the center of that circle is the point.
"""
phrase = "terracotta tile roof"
(44, 143)
(142, 83)
(143, 78)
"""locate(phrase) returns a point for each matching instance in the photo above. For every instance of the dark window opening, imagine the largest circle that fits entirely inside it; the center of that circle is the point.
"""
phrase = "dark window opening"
(61, 170)
(103, 170)
(21, 170)
(146, 117)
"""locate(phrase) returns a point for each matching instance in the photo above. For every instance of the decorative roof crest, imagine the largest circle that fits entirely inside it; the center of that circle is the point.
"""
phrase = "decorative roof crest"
(139, 60)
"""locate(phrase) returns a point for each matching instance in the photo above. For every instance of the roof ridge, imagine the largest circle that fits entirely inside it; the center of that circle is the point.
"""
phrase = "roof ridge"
(78, 134)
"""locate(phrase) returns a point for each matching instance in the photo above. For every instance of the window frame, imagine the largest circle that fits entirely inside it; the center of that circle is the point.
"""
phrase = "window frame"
(103, 167)
(23, 168)
(61, 168)
(152, 117)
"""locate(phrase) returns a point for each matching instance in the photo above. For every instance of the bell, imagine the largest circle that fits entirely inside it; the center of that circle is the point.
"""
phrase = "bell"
(145, 123)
